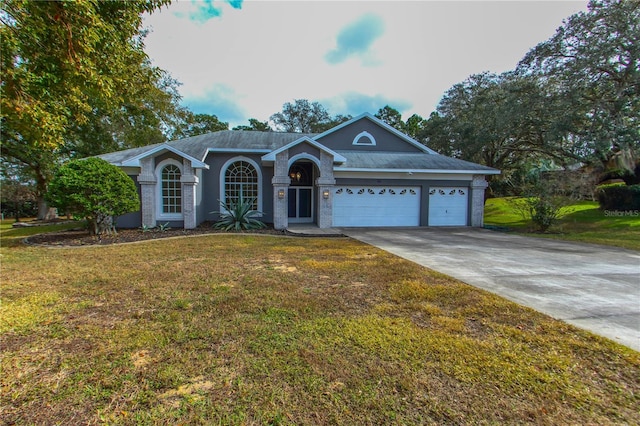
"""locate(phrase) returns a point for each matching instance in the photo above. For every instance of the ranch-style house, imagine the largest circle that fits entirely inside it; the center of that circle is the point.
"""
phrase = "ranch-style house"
(362, 172)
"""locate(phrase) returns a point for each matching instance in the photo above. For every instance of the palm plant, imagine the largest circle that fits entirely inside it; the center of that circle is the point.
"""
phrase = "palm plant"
(238, 216)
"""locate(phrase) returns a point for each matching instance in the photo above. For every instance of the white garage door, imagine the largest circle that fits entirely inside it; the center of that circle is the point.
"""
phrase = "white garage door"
(448, 206)
(376, 206)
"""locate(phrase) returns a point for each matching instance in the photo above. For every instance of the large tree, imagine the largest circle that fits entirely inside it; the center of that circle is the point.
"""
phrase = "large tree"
(303, 116)
(413, 127)
(62, 62)
(391, 116)
(506, 121)
(255, 125)
(574, 98)
(300, 116)
(198, 124)
(149, 113)
(593, 62)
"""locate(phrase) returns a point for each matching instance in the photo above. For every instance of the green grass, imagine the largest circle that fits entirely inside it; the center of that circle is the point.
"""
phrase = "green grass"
(13, 236)
(583, 222)
(246, 329)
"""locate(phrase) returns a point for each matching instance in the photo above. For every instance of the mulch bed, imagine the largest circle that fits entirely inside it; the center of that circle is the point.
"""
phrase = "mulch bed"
(80, 237)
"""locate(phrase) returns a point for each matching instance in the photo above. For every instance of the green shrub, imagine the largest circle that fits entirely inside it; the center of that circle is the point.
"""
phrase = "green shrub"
(95, 190)
(543, 210)
(619, 196)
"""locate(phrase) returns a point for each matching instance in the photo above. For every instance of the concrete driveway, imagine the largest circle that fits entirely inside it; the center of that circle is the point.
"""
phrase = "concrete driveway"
(590, 286)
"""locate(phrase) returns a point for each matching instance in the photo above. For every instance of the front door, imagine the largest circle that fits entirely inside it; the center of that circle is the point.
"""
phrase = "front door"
(301, 193)
(300, 204)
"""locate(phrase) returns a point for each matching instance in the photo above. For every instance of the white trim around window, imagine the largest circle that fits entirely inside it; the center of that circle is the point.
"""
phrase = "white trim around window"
(257, 190)
(169, 192)
(364, 138)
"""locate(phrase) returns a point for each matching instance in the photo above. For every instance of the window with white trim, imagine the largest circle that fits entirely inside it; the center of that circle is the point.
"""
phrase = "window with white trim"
(171, 190)
(241, 180)
(364, 138)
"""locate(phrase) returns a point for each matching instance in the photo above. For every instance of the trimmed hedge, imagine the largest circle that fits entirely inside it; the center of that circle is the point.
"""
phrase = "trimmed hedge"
(619, 196)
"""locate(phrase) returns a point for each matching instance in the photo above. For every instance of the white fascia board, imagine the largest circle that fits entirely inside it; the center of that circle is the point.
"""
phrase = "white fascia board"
(431, 171)
(135, 161)
(382, 124)
(271, 156)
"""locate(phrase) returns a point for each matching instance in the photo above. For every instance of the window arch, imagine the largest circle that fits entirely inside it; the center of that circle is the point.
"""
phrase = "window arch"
(241, 178)
(170, 190)
(364, 138)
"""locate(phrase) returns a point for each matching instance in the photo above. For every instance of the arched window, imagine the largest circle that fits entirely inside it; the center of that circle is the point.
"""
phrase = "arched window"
(171, 191)
(241, 179)
(364, 138)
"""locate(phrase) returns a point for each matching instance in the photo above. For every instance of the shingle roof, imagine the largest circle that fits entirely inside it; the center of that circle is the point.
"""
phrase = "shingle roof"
(198, 146)
(406, 161)
(264, 142)
(119, 157)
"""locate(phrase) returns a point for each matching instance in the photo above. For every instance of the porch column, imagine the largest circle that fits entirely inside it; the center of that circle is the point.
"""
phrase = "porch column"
(147, 181)
(478, 185)
(189, 182)
(325, 184)
(280, 182)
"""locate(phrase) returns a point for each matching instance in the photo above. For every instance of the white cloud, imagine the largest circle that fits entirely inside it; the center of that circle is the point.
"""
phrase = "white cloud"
(356, 39)
(220, 100)
(267, 53)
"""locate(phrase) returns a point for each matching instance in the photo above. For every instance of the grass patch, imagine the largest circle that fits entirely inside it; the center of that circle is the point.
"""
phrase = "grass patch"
(583, 222)
(224, 329)
(10, 236)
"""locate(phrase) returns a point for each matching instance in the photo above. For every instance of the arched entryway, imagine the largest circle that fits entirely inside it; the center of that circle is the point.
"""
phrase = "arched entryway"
(301, 196)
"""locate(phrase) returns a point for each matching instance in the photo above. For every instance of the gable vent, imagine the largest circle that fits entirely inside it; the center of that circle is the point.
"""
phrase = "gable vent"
(364, 138)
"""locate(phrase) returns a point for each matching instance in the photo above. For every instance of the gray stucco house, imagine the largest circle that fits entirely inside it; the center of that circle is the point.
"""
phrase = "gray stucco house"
(360, 173)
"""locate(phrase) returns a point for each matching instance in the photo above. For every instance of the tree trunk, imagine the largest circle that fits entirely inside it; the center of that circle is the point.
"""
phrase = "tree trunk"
(16, 209)
(43, 207)
(44, 211)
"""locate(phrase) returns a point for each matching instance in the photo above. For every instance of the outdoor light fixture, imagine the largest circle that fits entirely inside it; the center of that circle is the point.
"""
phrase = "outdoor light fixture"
(325, 194)
(281, 193)
(296, 176)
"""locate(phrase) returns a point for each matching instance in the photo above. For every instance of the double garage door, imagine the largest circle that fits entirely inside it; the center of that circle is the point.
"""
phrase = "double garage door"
(357, 206)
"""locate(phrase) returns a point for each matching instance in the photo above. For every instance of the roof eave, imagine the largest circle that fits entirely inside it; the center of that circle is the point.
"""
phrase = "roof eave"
(135, 161)
(423, 171)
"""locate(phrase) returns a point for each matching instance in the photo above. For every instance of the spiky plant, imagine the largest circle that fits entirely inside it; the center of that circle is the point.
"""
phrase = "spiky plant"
(238, 216)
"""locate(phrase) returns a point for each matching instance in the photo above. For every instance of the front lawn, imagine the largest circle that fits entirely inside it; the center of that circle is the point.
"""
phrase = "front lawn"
(583, 222)
(251, 329)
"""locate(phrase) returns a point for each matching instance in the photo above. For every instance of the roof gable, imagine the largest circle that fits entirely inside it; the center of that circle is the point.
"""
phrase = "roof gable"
(135, 160)
(337, 158)
(368, 133)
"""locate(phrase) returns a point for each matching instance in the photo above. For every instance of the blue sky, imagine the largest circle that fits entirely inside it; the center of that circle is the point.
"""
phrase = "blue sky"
(245, 59)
